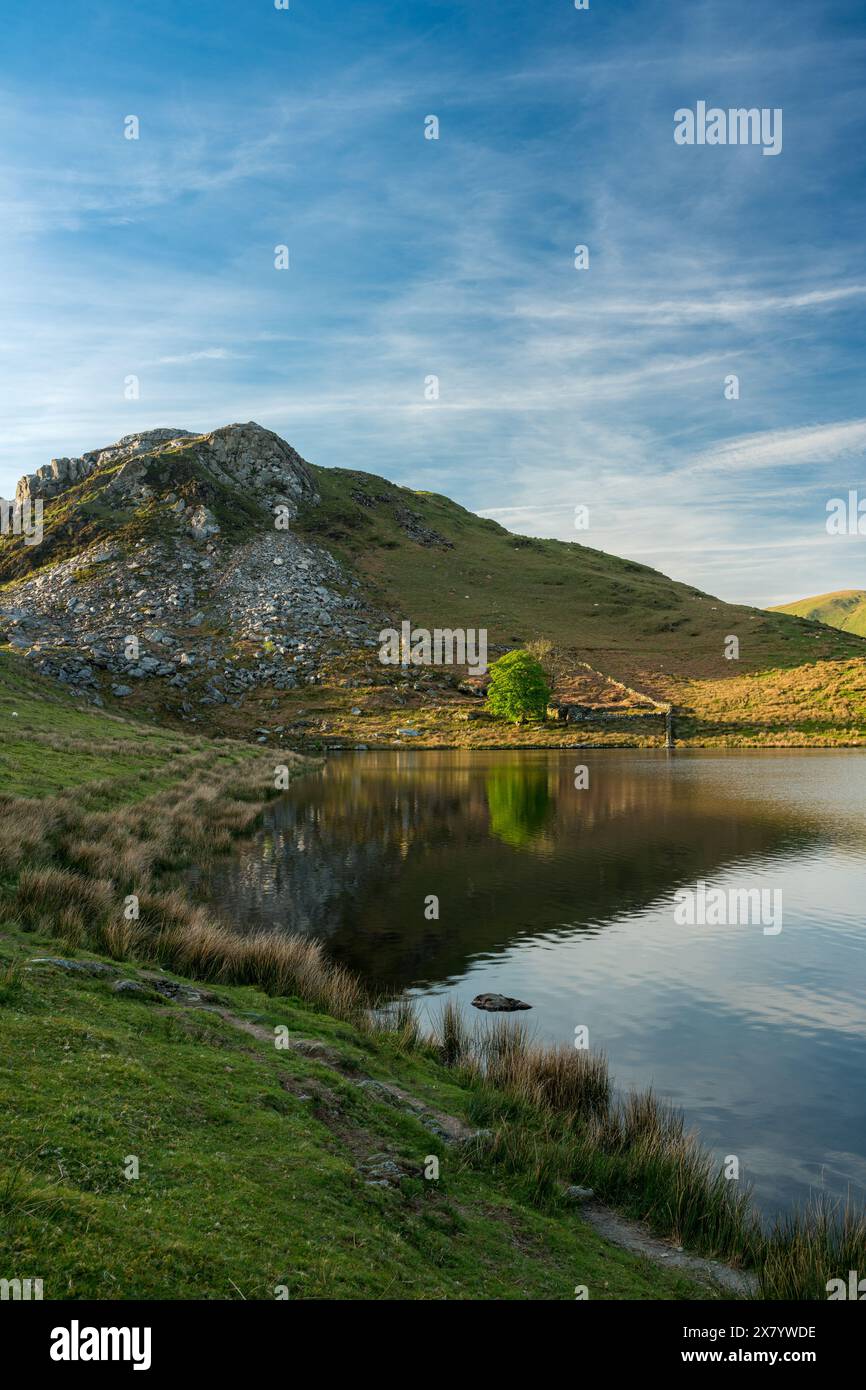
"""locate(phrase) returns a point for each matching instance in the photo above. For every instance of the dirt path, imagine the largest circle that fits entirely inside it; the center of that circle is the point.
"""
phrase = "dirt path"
(448, 1127)
(631, 1236)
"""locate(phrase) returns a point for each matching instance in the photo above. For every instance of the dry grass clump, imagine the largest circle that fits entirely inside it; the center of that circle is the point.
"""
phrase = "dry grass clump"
(812, 1247)
(50, 892)
(178, 934)
(565, 1080)
(127, 861)
(27, 829)
(283, 965)
(399, 1019)
(453, 1039)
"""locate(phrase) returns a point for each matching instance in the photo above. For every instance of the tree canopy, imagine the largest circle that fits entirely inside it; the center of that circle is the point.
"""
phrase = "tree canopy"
(518, 688)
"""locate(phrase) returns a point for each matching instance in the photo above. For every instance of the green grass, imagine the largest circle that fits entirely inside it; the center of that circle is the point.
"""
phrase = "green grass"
(249, 1164)
(845, 609)
(632, 621)
(50, 742)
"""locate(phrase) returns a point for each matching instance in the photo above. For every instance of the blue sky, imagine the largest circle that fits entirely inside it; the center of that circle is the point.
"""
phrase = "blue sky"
(454, 258)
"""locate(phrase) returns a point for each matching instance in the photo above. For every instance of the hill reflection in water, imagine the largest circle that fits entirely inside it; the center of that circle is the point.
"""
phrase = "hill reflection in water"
(564, 897)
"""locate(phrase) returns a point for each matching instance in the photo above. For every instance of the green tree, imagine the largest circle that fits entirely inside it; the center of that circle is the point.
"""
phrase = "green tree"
(518, 688)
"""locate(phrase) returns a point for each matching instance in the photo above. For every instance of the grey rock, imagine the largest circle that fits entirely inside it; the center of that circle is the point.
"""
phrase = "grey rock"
(202, 524)
(498, 1003)
(76, 967)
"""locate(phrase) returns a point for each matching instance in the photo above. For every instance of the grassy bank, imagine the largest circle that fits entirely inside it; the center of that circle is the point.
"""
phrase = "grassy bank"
(259, 1170)
(301, 1165)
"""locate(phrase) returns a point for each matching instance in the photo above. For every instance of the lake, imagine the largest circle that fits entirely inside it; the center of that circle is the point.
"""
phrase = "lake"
(564, 895)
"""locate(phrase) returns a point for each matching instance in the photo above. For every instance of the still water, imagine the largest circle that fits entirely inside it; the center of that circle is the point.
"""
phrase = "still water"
(564, 897)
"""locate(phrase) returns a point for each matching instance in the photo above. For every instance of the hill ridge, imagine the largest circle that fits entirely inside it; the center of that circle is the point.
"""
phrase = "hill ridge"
(844, 609)
(190, 572)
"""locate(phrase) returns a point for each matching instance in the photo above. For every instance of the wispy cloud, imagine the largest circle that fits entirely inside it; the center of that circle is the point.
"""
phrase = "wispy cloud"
(412, 258)
(803, 447)
(201, 355)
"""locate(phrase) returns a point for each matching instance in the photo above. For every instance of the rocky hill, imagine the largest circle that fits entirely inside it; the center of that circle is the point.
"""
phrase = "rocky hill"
(222, 579)
(172, 539)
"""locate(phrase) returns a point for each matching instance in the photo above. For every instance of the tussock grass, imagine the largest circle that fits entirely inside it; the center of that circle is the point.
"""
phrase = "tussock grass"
(453, 1038)
(51, 892)
(76, 866)
(398, 1019)
(555, 1119)
(26, 827)
(11, 982)
(180, 937)
(638, 1153)
(562, 1079)
(812, 1246)
(282, 965)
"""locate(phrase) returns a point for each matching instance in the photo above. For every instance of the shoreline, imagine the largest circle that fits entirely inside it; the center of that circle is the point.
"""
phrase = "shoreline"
(542, 1119)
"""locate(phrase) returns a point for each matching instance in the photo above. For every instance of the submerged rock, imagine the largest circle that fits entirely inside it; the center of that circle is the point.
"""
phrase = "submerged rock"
(498, 1003)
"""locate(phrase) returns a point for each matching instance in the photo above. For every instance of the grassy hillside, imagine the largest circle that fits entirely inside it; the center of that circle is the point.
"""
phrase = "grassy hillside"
(257, 1167)
(428, 559)
(422, 557)
(51, 743)
(845, 609)
(822, 705)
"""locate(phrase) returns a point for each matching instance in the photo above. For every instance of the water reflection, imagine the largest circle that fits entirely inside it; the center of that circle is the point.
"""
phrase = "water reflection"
(564, 897)
(519, 803)
(351, 854)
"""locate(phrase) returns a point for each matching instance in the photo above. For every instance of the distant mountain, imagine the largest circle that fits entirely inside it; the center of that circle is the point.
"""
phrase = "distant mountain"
(218, 577)
(845, 609)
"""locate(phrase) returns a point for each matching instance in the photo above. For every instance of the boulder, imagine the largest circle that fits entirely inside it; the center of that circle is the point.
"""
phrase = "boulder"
(498, 1003)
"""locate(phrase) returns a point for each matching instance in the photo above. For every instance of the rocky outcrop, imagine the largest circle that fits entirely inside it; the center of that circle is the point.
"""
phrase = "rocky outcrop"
(244, 458)
(250, 458)
(204, 618)
(63, 473)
